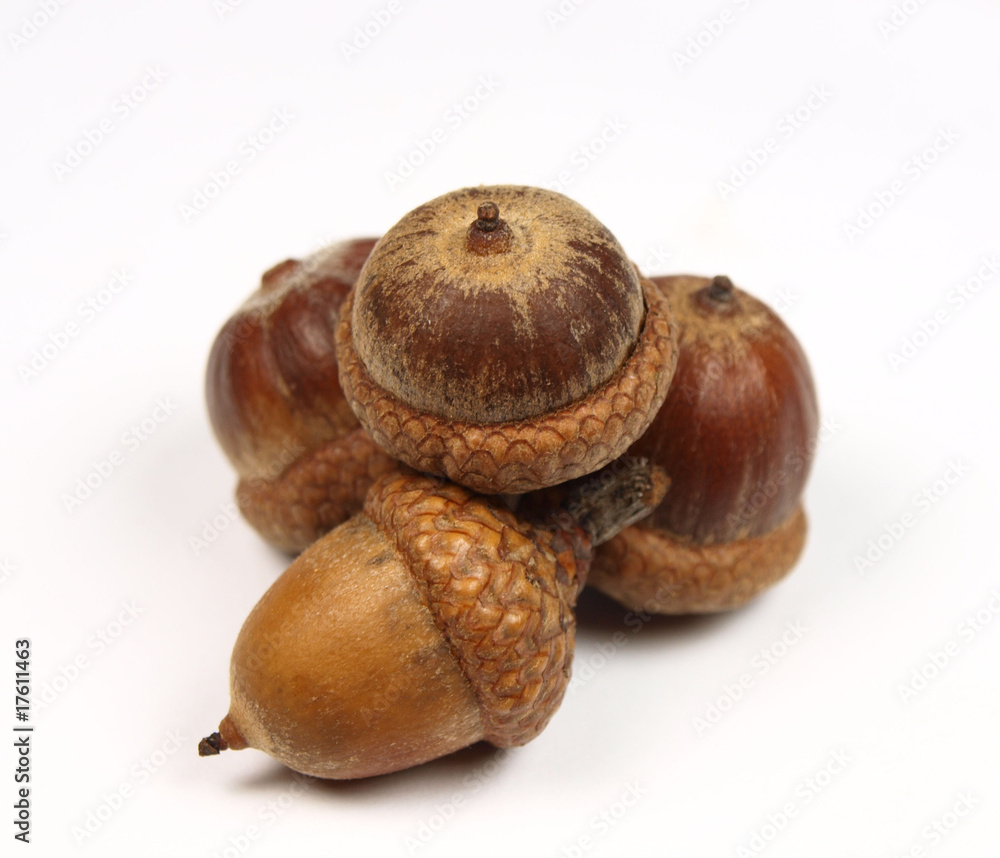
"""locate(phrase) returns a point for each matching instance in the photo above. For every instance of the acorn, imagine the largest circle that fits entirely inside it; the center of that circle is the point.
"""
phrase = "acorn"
(435, 619)
(499, 336)
(277, 408)
(736, 436)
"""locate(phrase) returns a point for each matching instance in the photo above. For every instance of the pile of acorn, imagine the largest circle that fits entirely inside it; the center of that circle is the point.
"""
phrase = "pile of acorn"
(459, 425)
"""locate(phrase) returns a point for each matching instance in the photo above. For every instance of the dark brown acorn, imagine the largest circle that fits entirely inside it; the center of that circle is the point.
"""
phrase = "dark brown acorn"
(276, 405)
(736, 436)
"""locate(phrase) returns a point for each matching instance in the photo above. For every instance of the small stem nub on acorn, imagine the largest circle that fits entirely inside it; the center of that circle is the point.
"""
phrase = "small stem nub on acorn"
(212, 745)
(488, 217)
(488, 233)
(721, 289)
(620, 494)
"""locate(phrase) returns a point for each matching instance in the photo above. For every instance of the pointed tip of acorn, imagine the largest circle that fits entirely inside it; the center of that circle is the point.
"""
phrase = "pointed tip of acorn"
(721, 288)
(212, 745)
(488, 216)
(489, 233)
(228, 738)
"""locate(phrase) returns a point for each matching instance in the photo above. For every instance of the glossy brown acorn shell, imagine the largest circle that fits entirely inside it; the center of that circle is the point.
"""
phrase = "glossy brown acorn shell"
(337, 678)
(736, 435)
(276, 405)
(504, 370)
(737, 431)
(433, 620)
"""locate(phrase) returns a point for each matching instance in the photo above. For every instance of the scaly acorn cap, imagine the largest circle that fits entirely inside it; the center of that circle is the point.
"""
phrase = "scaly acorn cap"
(499, 336)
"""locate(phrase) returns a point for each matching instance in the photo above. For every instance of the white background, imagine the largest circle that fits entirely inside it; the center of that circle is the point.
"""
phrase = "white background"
(894, 428)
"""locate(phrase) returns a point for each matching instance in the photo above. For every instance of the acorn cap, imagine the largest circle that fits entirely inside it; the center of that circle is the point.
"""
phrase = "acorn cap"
(500, 336)
(649, 571)
(319, 490)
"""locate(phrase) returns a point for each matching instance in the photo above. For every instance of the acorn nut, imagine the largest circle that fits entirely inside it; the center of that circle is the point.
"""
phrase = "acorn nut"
(433, 620)
(499, 336)
(277, 408)
(736, 436)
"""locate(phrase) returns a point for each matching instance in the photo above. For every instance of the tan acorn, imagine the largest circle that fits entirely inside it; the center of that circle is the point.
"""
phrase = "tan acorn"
(736, 436)
(435, 619)
(277, 408)
(500, 337)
